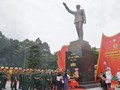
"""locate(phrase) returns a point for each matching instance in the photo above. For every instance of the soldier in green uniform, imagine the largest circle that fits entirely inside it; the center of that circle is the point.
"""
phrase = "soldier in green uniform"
(40, 74)
(0, 79)
(46, 82)
(32, 80)
(38, 80)
(41, 79)
(49, 80)
(4, 77)
(26, 80)
(29, 78)
(35, 73)
(20, 78)
(54, 80)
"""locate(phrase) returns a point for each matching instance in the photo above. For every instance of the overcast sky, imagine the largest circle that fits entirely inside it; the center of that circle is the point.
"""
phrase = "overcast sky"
(49, 20)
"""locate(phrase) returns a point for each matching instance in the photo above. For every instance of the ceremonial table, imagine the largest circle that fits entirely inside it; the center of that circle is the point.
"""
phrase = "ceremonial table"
(73, 83)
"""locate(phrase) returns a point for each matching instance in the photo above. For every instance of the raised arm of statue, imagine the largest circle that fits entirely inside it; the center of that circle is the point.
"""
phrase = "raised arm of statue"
(70, 11)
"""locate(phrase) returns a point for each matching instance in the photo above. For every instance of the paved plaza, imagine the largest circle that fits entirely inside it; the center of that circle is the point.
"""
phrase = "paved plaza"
(97, 88)
(8, 87)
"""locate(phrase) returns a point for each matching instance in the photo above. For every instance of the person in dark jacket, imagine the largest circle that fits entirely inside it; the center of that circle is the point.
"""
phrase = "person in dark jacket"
(104, 85)
(0, 80)
(14, 81)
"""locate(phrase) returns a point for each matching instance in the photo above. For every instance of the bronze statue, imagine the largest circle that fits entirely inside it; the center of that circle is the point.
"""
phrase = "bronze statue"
(80, 18)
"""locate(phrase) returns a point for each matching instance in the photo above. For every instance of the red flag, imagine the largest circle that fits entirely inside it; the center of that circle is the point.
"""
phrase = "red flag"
(109, 55)
(62, 57)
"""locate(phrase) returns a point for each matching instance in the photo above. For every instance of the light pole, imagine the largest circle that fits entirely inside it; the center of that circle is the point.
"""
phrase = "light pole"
(24, 62)
(25, 57)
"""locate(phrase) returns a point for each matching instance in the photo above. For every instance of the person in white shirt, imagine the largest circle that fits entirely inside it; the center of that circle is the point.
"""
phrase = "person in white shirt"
(108, 77)
(59, 81)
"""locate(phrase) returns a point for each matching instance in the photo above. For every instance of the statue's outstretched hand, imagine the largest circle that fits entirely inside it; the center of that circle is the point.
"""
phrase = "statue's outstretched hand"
(64, 3)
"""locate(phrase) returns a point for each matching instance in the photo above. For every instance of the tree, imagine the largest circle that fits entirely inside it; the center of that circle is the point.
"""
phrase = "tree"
(37, 54)
(1, 35)
(96, 53)
(34, 57)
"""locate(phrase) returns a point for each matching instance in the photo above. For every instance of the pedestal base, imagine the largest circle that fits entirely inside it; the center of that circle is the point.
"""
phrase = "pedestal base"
(86, 85)
(81, 56)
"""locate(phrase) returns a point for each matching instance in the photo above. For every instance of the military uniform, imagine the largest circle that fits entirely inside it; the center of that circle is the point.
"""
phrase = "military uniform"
(32, 81)
(46, 82)
(54, 81)
(14, 81)
(38, 81)
(0, 80)
(25, 84)
(20, 80)
(4, 77)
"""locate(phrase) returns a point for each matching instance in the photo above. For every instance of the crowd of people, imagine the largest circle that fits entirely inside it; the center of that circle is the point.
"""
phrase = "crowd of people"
(35, 79)
(107, 77)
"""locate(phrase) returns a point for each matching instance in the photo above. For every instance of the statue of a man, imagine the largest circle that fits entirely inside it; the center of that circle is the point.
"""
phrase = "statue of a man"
(80, 18)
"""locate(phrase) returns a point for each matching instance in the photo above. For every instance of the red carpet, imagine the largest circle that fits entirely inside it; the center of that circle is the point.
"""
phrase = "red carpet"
(75, 89)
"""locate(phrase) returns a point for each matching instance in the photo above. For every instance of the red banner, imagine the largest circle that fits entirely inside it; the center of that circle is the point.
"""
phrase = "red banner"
(62, 57)
(109, 55)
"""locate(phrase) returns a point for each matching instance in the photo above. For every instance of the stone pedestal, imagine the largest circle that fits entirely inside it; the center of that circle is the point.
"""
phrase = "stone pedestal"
(81, 56)
(79, 44)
